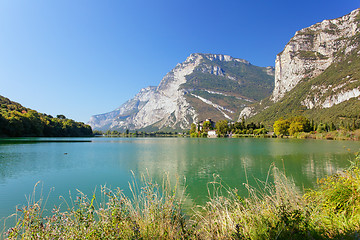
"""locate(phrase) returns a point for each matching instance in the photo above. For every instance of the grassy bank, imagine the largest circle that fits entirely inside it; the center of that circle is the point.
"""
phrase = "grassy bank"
(332, 135)
(273, 210)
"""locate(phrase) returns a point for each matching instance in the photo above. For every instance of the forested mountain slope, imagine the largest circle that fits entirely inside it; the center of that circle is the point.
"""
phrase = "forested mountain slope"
(19, 121)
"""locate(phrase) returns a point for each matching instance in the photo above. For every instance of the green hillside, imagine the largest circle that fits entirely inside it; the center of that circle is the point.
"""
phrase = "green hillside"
(18, 121)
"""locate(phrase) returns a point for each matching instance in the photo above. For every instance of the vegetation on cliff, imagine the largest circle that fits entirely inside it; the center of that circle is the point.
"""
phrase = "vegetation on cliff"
(320, 98)
(236, 79)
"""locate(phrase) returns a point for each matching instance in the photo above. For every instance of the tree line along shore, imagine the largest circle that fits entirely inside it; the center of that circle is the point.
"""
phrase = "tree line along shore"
(18, 121)
(294, 127)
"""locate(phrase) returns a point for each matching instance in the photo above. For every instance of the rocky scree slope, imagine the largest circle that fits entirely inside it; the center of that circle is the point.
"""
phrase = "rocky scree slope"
(317, 74)
(204, 86)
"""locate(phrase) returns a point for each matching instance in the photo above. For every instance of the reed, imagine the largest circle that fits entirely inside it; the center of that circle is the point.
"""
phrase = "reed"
(153, 211)
(275, 209)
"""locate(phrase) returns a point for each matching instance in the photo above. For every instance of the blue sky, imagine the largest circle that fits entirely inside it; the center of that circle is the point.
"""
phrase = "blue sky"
(83, 57)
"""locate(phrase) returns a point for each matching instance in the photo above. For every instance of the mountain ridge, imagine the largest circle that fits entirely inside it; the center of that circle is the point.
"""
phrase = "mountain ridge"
(203, 86)
(318, 72)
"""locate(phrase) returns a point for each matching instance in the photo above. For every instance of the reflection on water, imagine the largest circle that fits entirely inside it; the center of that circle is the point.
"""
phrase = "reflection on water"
(89, 163)
(200, 159)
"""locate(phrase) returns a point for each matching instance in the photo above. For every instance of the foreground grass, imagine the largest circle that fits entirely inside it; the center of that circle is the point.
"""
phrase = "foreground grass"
(154, 211)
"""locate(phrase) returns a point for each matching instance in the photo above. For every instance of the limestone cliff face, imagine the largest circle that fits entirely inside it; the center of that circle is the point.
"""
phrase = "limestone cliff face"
(168, 106)
(164, 105)
(312, 50)
(116, 118)
(317, 75)
(203, 86)
(317, 70)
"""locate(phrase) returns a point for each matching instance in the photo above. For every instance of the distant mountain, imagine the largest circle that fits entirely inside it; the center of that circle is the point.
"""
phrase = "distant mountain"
(317, 75)
(19, 121)
(204, 86)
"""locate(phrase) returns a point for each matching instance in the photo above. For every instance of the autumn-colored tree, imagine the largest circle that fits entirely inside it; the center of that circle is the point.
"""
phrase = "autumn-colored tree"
(281, 126)
(295, 127)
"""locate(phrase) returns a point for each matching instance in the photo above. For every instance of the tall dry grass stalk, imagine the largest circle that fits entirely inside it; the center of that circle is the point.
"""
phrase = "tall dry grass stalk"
(153, 212)
(273, 210)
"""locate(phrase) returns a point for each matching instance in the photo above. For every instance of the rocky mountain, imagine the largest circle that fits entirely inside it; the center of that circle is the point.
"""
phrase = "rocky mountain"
(317, 74)
(204, 86)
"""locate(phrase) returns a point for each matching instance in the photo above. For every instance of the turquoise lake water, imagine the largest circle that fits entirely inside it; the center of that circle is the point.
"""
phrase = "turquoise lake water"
(63, 165)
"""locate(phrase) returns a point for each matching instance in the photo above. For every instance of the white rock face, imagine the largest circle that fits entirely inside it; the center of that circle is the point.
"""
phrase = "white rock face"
(311, 51)
(166, 105)
(270, 70)
(169, 99)
(106, 120)
(215, 70)
(227, 95)
(226, 58)
(246, 113)
(340, 96)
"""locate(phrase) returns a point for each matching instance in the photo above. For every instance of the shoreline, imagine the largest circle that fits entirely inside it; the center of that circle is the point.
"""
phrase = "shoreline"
(333, 135)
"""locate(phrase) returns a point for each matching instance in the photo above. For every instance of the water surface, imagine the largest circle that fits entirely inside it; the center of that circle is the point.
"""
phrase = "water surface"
(87, 163)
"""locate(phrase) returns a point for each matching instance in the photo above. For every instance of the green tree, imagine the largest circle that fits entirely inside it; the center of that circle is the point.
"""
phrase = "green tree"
(193, 128)
(296, 127)
(17, 120)
(304, 122)
(222, 127)
(238, 126)
(332, 127)
(321, 128)
(60, 116)
(97, 132)
(281, 126)
(243, 123)
(207, 126)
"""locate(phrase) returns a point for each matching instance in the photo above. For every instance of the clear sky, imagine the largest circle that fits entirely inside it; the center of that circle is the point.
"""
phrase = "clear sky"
(83, 57)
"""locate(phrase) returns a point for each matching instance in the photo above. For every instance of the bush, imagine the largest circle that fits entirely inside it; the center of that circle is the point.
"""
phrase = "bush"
(336, 203)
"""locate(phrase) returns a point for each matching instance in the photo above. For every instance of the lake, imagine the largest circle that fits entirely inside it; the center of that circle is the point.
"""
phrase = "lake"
(67, 164)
